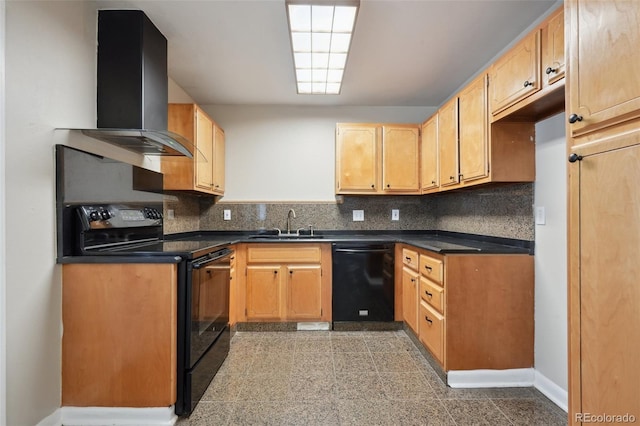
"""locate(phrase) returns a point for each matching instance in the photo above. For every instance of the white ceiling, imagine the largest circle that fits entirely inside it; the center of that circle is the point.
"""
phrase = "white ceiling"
(403, 53)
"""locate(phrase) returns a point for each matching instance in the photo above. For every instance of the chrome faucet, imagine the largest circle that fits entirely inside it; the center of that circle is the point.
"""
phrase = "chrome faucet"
(291, 211)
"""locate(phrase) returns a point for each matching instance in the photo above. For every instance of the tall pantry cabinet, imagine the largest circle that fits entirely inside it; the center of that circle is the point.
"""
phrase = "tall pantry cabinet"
(603, 129)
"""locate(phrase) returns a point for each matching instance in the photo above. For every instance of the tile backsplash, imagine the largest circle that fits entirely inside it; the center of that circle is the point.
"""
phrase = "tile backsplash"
(502, 211)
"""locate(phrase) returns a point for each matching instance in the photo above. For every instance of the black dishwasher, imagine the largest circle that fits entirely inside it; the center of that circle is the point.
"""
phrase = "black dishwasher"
(363, 286)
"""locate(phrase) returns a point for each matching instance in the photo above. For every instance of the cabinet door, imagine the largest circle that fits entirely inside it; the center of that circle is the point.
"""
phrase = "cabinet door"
(431, 325)
(264, 292)
(429, 177)
(553, 49)
(448, 142)
(304, 292)
(604, 87)
(473, 130)
(400, 159)
(604, 290)
(516, 74)
(204, 151)
(410, 298)
(218, 159)
(357, 160)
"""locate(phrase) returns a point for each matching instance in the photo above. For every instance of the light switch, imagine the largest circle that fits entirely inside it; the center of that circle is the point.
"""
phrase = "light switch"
(226, 214)
(541, 217)
(358, 215)
(395, 214)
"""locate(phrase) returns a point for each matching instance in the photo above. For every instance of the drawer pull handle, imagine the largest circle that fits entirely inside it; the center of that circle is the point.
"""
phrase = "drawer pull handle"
(428, 294)
(429, 268)
(428, 320)
(408, 258)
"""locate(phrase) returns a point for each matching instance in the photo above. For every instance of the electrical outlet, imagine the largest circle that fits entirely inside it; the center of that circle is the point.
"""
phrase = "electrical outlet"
(226, 214)
(171, 214)
(395, 214)
(358, 215)
(541, 217)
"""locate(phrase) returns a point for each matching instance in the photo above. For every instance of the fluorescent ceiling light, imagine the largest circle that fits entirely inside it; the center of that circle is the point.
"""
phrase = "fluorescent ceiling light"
(320, 40)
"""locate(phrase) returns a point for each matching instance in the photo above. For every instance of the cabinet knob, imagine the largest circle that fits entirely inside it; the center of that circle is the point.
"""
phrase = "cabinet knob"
(451, 178)
(528, 83)
(388, 186)
(275, 272)
(428, 294)
(574, 117)
(575, 157)
(433, 182)
(373, 186)
(291, 272)
(413, 280)
(549, 70)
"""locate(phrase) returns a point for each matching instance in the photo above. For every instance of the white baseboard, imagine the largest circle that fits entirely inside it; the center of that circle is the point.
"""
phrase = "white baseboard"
(53, 419)
(121, 416)
(555, 393)
(517, 377)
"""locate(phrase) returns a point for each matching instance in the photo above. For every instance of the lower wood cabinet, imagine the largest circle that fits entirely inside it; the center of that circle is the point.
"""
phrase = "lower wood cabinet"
(284, 282)
(119, 341)
(475, 311)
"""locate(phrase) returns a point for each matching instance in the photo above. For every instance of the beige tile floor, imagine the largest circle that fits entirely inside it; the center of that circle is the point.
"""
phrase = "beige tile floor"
(351, 378)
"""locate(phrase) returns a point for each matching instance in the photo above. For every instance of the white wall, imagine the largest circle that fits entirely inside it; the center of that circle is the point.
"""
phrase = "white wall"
(286, 153)
(50, 82)
(551, 254)
(3, 268)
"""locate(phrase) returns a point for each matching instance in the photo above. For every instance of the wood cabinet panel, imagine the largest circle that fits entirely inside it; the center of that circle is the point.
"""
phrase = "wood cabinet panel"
(432, 293)
(410, 286)
(304, 292)
(473, 122)
(264, 297)
(119, 341)
(204, 153)
(448, 142)
(432, 332)
(429, 155)
(357, 158)
(218, 159)
(516, 74)
(290, 253)
(603, 63)
(604, 293)
(432, 268)
(552, 40)
(400, 158)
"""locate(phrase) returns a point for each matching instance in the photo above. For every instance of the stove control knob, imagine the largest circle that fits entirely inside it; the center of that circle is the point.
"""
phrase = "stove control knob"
(105, 214)
(94, 215)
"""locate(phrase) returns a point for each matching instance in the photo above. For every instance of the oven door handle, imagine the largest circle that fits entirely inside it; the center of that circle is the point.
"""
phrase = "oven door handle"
(200, 263)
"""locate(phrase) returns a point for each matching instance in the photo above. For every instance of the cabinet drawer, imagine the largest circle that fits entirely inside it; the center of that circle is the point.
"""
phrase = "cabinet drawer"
(432, 330)
(432, 294)
(431, 268)
(410, 258)
(290, 253)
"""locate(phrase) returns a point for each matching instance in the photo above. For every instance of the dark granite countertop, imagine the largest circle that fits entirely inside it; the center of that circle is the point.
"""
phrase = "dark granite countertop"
(442, 242)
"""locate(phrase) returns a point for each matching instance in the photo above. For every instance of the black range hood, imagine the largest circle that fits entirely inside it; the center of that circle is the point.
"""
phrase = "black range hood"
(132, 90)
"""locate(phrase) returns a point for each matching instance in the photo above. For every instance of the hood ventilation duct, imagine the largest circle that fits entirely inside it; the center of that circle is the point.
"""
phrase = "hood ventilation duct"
(132, 89)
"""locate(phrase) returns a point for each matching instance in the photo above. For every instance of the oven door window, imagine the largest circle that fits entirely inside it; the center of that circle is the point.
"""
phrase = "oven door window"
(209, 305)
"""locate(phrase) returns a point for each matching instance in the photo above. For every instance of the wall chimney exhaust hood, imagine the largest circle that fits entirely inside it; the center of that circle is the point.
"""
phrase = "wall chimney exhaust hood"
(132, 89)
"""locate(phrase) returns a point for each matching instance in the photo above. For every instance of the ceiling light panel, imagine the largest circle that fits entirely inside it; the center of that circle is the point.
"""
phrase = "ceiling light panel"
(320, 39)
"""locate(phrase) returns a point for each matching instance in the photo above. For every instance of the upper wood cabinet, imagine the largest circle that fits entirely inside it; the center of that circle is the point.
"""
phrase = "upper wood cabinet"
(603, 63)
(448, 142)
(552, 45)
(429, 155)
(516, 74)
(204, 173)
(357, 164)
(377, 159)
(401, 158)
(472, 118)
